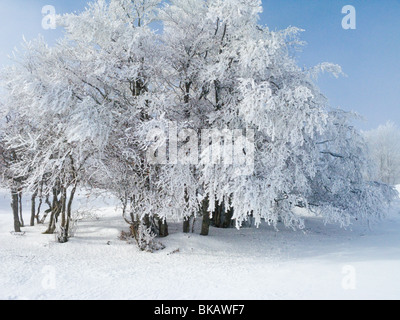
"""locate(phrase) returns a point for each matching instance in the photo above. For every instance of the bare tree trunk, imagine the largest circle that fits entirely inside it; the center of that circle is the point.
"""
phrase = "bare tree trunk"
(205, 227)
(55, 209)
(163, 228)
(63, 234)
(228, 218)
(186, 224)
(52, 224)
(193, 224)
(20, 208)
(69, 211)
(38, 211)
(46, 213)
(71, 199)
(217, 216)
(187, 98)
(15, 206)
(186, 220)
(33, 208)
(63, 207)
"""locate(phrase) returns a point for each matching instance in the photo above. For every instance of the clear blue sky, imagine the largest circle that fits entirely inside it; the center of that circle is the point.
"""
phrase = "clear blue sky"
(369, 55)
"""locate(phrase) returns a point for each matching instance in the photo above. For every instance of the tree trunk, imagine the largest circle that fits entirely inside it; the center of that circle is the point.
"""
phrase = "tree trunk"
(15, 207)
(205, 227)
(187, 99)
(20, 209)
(55, 208)
(186, 224)
(65, 215)
(163, 228)
(69, 212)
(147, 221)
(33, 209)
(52, 224)
(134, 228)
(46, 213)
(71, 199)
(63, 207)
(38, 211)
(193, 224)
(217, 217)
(63, 233)
(228, 218)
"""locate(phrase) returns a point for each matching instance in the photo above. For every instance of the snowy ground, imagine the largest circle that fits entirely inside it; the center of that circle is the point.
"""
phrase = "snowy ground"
(319, 263)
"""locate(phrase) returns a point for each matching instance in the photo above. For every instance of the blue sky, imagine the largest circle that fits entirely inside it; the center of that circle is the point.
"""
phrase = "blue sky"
(369, 55)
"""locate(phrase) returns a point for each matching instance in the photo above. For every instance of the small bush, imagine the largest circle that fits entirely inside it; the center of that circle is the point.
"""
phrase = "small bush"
(144, 237)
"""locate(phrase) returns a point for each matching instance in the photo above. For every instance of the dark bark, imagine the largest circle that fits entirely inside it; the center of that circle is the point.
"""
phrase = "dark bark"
(228, 218)
(20, 209)
(205, 226)
(217, 216)
(52, 224)
(33, 209)
(55, 209)
(163, 228)
(187, 98)
(186, 220)
(63, 232)
(217, 94)
(222, 218)
(15, 207)
(193, 224)
(63, 207)
(46, 213)
(66, 214)
(147, 221)
(38, 211)
(186, 224)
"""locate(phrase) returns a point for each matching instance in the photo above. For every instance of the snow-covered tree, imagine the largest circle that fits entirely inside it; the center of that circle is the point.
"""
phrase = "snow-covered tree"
(47, 110)
(384, 148)
(339, 191)
(124, 59)
(8, 157)
(256, 85)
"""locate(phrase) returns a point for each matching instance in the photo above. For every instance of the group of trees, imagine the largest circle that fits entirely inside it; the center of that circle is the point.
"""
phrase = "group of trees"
(79, 115)
(384, 147)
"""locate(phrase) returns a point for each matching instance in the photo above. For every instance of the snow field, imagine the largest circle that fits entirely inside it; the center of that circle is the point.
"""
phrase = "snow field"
(317, 263)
